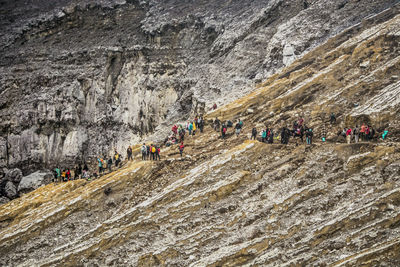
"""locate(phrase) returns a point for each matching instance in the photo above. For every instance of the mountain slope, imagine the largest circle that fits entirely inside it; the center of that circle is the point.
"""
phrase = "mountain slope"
(239, 202)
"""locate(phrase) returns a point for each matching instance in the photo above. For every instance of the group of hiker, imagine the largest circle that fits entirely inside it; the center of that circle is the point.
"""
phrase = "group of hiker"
(178, 132)
(106, 164)
(66, 174)
(267, 134)
(83, 173)
(150, 152)
(223, 127)
(365, 133)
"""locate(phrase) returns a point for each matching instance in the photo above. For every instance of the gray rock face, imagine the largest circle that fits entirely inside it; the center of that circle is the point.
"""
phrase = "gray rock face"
(34, 181)
(10, 190)
(81, 78)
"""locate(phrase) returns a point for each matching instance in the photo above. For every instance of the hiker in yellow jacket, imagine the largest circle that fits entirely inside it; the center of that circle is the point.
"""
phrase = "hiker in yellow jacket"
(194, 127)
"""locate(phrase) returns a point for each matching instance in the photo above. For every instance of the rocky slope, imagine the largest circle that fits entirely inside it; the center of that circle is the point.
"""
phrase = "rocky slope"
(238, 202)
(80, 78)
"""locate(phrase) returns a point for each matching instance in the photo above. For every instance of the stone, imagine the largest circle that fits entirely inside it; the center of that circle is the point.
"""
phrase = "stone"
(364, 64)
(35, 180)
(4, 200)
(250, 111)
(10, 190)
(14, 175)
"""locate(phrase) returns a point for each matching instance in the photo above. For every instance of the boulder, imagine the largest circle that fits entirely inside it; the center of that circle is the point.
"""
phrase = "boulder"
(14, 175)
(34, 181)
(250, 111)
(10, 190)
(4, 200)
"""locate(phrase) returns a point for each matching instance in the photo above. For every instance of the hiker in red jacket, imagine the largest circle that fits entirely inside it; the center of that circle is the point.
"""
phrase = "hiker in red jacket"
(348, 135)
(68, 174)
(175, 129)
(223, 131)
(158, 153)
(181, 147)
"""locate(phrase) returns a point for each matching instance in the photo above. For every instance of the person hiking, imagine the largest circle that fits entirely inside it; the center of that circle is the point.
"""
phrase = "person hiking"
(362, 132)
(287, 135)
(309, 135)
(182, 135)
(385, 133)
(356, 134)
(194, 127)
(85, 174)
(77, 172)
(153, 151)
(300, 122)
(214, 107)
(333, 118)
(367, 133)
(54, 176)
(100, 164)
(270, 135)
(371, 133)
(264, 135)
(117, 159)
(64, 175)
(323, 135)
(238, 127)
(129, 153)
(143, 149)
(158, 150)
(190, 128)
(68, 174)
(283, 135)
(174, 129)
(109, 164)
(181, 147)
(104, 161)
(217, 124)
(253, 133)
(223, 131)
(147, 152)
(201, 124)
(348, 135)
(58, 173)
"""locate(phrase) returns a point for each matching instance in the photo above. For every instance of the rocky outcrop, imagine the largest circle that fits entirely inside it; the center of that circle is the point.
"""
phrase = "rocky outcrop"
(80, 78)
(34, 181)
(10, 190)
(14, 175)
(9, 180)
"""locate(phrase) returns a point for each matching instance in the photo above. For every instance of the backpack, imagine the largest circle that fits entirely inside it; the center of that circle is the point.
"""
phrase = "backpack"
(143, 148)
(224, 130)
(153, 149)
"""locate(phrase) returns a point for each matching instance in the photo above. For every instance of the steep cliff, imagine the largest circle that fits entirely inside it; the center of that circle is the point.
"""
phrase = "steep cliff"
(237, 202)
(80, 78)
